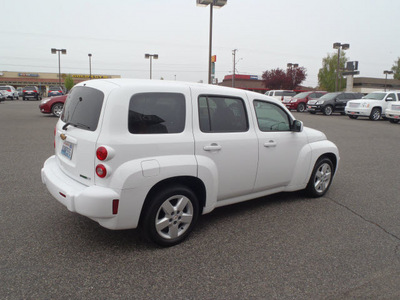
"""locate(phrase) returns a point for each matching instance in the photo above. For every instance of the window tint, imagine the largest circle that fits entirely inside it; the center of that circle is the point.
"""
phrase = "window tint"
(222, 114)
(152, 113)
(271, 117)
(342, 97)
(82, 108)
(391, 96)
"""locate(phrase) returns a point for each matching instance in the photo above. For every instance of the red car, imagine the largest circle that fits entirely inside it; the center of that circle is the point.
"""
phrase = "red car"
(53, 105)
(299, 101)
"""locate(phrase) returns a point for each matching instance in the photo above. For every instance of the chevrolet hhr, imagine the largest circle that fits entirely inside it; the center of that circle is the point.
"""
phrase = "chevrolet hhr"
(157, 155)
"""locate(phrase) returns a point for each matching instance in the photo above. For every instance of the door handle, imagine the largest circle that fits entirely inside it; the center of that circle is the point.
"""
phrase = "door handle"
(212, 147)
(270, 143)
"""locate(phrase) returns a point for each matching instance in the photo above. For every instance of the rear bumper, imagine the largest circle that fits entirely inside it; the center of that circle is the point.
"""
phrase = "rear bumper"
(392, 114)
(91, 201)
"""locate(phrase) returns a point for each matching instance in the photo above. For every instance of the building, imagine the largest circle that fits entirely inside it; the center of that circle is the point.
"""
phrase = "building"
(245, 82)
(367, 85)
(43, 80)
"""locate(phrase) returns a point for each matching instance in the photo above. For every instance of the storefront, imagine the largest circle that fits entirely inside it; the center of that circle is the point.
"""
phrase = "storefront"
(43, 80)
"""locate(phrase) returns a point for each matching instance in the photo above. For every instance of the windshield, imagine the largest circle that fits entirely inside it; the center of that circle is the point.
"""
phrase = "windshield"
(329, 96)
(82, 108)
(301, 95)
(375, 96)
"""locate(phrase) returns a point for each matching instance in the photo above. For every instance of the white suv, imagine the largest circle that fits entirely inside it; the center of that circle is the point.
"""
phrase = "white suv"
(159, 154)
(393, 111)
(372, 105)
(9, 91)
(281, 94)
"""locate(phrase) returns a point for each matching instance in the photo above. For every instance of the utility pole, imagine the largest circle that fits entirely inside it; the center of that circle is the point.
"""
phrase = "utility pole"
(234, 67)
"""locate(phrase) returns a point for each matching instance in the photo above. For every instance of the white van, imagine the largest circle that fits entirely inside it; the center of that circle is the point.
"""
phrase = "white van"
(9, 91)
(159, 154)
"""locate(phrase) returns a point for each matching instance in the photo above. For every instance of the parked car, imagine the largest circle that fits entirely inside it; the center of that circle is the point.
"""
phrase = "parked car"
(31, 92)
(393, 112)
(299, 101)
(55, 91)
(20, 91)
(158, 154)
(2, 96)
(372, 105)
(53, 105)
(281, 94)
(331, 102)
(9, 91)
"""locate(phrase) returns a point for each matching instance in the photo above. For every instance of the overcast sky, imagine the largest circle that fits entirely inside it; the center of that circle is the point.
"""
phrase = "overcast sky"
(268, 34)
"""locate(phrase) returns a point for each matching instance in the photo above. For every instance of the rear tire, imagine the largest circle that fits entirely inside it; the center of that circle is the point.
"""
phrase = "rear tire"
(170, 216)
(394, 121)
(321, 178)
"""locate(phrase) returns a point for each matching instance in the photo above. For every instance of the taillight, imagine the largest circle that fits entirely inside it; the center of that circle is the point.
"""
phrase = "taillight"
(101, 153)
(101, 171)
(24, 91)
(115, 204)
(55, 131)
(8, 90)
(35, 91)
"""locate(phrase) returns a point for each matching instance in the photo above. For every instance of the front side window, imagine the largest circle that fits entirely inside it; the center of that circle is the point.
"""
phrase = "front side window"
(270, 117)
(222, 114)
(82, 108)
(156, 113)
(391, 96)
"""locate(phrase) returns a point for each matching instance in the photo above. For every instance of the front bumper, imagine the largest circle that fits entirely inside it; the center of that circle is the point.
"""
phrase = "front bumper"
(314, 108)
(392, 114)
(94, 202)
(364, 112)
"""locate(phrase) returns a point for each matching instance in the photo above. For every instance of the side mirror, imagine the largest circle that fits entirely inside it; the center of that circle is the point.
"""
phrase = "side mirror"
(389, 99)
(297, 126)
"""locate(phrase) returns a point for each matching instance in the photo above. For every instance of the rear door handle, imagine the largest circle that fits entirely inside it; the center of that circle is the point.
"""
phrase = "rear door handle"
(270, 143)
(212, 147)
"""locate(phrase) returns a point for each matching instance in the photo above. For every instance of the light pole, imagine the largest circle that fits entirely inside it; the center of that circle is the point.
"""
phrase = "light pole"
(291, 66)
(217, 4)
(63, 51)
(386, 72)
(344, 47)
(147, 56)
(90, 65)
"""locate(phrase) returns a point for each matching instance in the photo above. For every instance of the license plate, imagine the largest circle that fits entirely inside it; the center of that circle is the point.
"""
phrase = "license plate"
(67, 149)
(396, 117)
(352, 113)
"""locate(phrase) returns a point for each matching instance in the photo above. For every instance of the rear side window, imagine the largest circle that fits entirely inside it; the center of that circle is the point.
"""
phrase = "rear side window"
(82, 108)
(155, 113)
(222, 114)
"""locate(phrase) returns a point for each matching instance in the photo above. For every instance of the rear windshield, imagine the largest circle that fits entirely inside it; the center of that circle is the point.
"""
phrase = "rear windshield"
(31, 88)
(82, 108)
(4, 88)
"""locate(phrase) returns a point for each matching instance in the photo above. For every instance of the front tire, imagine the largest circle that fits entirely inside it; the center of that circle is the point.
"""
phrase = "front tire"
(170, 216)
(328, 110)
(375, 114)
(56, 109)
(301, 107)
(321, 178)
(353, 117)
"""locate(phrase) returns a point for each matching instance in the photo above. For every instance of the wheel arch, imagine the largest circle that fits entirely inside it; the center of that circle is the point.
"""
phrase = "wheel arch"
(193, 183)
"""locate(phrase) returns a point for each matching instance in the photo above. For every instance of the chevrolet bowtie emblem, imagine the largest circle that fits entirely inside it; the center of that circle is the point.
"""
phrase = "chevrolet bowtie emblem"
(63, 136)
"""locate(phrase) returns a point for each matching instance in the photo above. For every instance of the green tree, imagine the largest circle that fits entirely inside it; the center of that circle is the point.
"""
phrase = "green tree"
(69, 82)
(327, 74)
(396, 69)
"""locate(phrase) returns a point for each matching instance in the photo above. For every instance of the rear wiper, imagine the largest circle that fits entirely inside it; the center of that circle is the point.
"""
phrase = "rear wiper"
(66, 125)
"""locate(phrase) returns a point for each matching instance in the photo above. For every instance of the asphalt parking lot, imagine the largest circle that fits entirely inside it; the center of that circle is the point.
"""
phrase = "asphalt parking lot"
(344, 245)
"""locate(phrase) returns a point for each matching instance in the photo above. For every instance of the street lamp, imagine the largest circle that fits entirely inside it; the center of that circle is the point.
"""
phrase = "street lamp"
(90, 65)
(344, 47)
(217, 4)
(386, 72)
(147, 56)
(54, 51)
